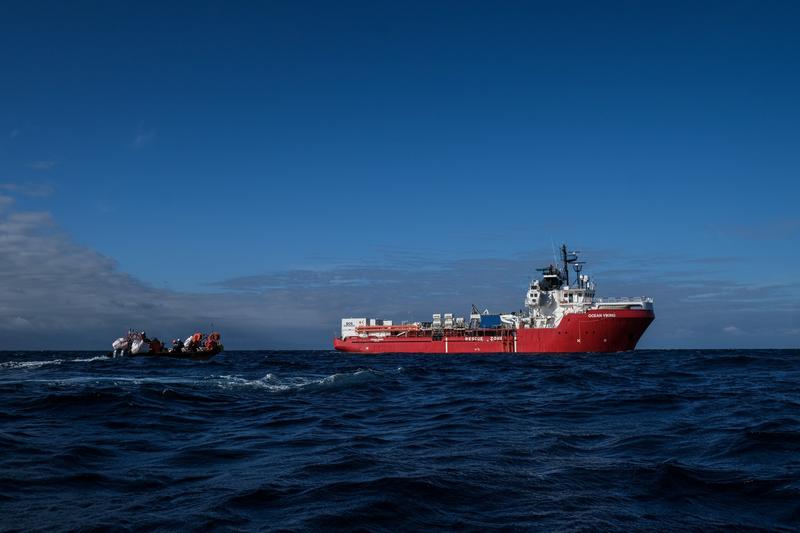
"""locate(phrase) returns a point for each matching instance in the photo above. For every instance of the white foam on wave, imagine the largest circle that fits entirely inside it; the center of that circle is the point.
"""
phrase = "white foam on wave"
(50, 362)
(106, 381)
(89, 359)
(273, 383)
(30, 364)
(270, 382)
(119, 380)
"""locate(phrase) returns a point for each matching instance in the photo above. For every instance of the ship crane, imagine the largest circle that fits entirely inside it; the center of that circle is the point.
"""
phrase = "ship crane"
(474, 318)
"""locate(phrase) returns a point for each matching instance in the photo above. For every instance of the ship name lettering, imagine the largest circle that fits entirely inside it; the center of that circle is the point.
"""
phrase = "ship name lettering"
(474, 339)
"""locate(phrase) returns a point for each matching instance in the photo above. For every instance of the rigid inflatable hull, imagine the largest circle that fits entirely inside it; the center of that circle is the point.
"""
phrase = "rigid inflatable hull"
(197, 356)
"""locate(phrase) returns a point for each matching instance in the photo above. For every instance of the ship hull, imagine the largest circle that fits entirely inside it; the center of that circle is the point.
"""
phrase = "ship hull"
(593, 331)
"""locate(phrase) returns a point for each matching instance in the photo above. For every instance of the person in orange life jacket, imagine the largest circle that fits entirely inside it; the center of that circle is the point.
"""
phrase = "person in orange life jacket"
(156, 346)
(210, 344)
(193, 343)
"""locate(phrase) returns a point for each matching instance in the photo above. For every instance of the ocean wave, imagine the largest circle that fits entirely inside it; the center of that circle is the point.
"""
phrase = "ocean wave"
(112, 381)
(304, 441)
(273, 383)
(676, 480)
(50, 362)
(166, 384)
(89, 359)
(30, 364)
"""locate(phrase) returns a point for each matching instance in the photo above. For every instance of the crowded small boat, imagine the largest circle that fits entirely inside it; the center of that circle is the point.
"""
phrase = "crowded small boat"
(195, 346)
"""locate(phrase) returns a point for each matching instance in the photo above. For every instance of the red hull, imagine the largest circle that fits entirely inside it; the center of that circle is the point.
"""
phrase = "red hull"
(594, 331)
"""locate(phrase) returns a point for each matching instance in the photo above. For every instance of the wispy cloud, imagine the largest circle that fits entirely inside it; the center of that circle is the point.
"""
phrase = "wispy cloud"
(25, 128)
(41, 165)
(142, 138)
(58, 294)
(768, 230)
(28, 189)
(5, 202)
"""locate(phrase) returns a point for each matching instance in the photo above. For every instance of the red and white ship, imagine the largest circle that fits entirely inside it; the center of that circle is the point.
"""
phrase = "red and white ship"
(559, 317)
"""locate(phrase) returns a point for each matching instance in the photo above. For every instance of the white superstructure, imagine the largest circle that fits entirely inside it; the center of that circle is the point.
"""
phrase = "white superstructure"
(548, 300)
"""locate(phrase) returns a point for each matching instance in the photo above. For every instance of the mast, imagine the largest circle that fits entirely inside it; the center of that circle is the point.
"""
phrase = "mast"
(567, 258)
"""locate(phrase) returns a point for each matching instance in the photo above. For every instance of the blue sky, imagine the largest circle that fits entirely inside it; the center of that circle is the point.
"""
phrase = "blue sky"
(186, 147)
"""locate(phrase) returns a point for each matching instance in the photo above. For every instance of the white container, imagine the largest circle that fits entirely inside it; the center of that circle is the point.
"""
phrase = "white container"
(349, 326)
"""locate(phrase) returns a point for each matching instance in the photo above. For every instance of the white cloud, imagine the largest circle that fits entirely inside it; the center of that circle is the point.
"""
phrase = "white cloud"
(5, 202)
(55, 293)
(732, 329)
(19, 323)
(28, 189)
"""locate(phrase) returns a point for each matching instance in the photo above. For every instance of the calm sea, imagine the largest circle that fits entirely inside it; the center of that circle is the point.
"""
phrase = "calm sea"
(649, 440)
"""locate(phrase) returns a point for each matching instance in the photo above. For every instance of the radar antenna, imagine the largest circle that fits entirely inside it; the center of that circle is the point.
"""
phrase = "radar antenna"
(578, 266)
(567, 258)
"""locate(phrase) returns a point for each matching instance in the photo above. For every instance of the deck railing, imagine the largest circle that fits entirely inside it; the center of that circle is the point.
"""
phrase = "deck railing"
(624, 299)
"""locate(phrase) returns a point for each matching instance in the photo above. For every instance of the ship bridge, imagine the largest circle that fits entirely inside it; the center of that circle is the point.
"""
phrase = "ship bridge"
(552, 297)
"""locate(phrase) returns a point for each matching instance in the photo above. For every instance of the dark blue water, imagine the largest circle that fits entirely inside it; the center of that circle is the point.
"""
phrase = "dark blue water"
(319, 440)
